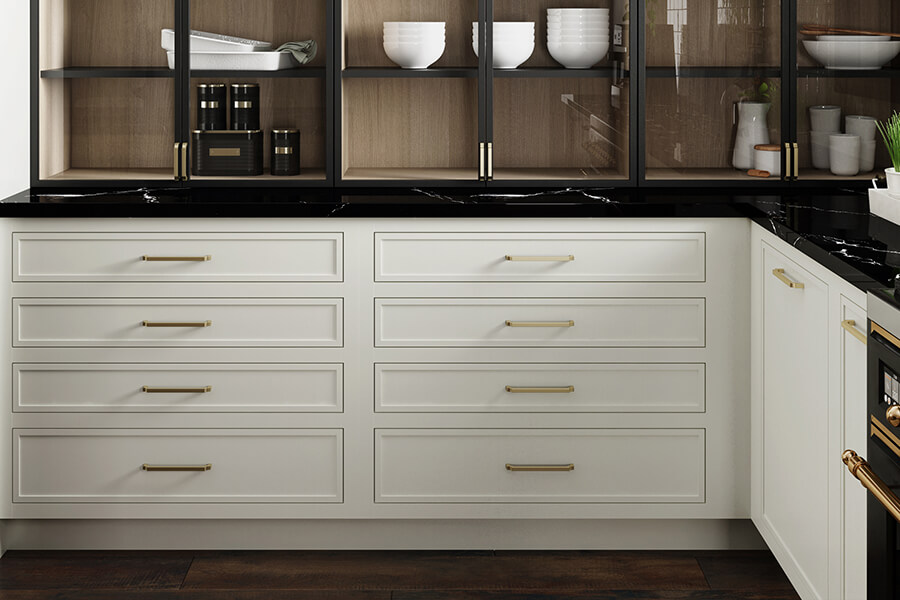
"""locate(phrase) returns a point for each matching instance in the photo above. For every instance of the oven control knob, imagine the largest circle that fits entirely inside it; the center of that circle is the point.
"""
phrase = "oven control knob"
(893, 415)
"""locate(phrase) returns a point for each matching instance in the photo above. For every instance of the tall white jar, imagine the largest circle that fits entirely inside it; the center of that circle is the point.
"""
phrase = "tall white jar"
(752, 129)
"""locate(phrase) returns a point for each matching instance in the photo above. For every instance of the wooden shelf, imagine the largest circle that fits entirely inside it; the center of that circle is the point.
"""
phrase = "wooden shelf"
(540, 72)
(886, 72)
(363, 72)
(713, 72)
(557, 174)
(701, 174)
(821, 175)
(416, 174)
(299, 72)
(107, 72)
(114, 174)
(305, 175)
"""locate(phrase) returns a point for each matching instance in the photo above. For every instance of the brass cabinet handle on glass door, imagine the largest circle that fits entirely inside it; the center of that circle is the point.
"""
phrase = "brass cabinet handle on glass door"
(779, 274)
(860, 469)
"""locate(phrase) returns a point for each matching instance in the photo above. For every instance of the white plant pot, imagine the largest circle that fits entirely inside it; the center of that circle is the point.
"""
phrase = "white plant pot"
(893, 181)
(752, 129)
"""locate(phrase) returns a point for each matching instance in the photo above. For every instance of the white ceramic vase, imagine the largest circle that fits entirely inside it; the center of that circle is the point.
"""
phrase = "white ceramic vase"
(751, 130)
(893, 181)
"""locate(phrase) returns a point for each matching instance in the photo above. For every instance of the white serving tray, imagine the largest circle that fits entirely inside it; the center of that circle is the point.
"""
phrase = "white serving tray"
(238, 61)
(203, 41)
(884, 205)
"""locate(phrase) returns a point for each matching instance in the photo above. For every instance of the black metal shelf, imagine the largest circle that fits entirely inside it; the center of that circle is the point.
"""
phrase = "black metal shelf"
(884, 73)
(543, 72)
(108, 72)
(363, 72)
(295, 73)
(713, 72)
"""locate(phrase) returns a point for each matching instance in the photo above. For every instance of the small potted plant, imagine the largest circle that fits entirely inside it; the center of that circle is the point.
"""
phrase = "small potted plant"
(890, 133)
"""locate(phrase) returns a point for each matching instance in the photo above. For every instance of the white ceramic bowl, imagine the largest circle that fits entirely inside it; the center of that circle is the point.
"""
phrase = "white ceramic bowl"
(861, 56)
(414, 55)
(853, 38)
(575, 55)
(508, 55)
(574, 19)
(576, 40)
(599, 37)
(510, 27)
(552, 29)
(578, 11)
(393, 37)
(415, 24)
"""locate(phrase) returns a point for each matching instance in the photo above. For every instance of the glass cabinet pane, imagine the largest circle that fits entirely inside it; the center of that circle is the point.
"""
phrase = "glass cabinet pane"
(105, 95)
(713, 90)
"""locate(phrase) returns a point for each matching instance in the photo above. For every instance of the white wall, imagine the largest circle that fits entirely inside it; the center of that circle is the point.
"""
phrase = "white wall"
(14, 97)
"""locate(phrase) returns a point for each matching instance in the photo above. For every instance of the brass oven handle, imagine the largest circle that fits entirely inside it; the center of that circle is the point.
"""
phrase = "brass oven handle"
(779, 274)
(190, 324)
(568, 467)
(568, 258)
(860, 469)
(893, 415)
(540, 390)
(206, 258)
(850, 326)
(146, 467)
(155, 390)
(540, 323)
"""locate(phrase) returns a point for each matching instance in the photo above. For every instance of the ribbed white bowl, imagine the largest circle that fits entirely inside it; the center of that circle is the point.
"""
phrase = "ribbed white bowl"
(578, 55)
(419, 55)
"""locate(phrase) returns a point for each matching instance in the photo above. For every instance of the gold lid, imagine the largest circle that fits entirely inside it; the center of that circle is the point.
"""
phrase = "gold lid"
(285, 131)
(245, 85)
(210, 85)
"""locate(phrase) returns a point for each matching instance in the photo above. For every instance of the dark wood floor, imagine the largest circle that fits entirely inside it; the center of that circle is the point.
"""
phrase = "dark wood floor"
(392, 575)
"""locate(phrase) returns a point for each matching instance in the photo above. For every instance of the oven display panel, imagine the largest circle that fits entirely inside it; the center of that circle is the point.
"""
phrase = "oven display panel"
(890, 386)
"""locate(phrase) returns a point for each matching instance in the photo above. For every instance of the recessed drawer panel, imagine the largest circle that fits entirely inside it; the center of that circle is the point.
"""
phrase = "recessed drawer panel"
(178, 387)
(177, 256)
(597, 322)
(540, 465)
(184, 322)
(540, 256)
(540, 387)
(177, 465)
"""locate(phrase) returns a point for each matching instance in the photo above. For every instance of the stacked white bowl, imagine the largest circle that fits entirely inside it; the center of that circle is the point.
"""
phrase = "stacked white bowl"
(513, 42)
(577, 38)
(853, 52)
(414, 44)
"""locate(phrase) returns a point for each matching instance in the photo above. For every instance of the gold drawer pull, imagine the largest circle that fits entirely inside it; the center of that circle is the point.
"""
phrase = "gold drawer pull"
(192, 324)
(568, 258)
(568, 467)
(850, 326)
(540, 390)
(154, 390)
(540, 323)
(779, 273)
(206, 258)
(146, 467)
(860, 469)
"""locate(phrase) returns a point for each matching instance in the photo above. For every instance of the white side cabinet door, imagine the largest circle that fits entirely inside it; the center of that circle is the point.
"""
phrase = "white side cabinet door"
(790, 419)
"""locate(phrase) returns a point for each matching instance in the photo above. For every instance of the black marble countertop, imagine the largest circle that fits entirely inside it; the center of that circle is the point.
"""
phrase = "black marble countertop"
(833, 227)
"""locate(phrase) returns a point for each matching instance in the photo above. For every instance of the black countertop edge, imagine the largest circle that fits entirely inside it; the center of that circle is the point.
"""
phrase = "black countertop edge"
(832, 226)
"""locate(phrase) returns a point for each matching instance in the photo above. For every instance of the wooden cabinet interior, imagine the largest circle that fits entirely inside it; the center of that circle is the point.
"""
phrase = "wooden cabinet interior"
(873, 15)
(410, 128)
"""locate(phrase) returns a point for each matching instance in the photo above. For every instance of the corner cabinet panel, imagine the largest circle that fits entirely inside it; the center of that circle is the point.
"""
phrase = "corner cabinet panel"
(594, 257)
(540, 465)
(177, 465)
(258, 322)
(541, 322)
(186, 257)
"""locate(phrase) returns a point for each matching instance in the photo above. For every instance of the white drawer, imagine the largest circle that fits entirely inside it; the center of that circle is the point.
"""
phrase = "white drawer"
(177, 387)
(233, 322)
(473, 466)
(633, 257)
(208, 256)
(597, 322)
(540, 387)
(247, 465)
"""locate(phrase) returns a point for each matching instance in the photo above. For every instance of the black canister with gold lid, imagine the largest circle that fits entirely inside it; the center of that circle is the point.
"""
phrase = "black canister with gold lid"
(285, 158)
(212, 114)
(244, 106)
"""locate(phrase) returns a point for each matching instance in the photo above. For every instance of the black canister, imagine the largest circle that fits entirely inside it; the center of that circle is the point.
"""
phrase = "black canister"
(244, 106)
(285, 152)
(212, 114)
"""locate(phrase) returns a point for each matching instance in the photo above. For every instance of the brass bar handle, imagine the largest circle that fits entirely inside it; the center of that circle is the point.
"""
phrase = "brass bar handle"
(490, 161)
(146, 467)
(176, 162)
(850, 326)
(540, 390)
(779, 273)
(568, 258)
(159, 390)
(540, 323)
(796, 148)
(568, 467)
(185, 171)
(860, 469)
(206, 258)
(189, 324)
(893, 415)
(481, 161)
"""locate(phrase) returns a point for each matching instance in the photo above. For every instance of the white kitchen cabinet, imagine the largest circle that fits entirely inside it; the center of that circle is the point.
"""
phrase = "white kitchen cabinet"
(808, 394)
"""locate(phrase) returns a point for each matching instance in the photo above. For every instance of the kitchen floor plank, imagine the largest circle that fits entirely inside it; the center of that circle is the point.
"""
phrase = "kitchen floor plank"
(757, 570)
(393, 570)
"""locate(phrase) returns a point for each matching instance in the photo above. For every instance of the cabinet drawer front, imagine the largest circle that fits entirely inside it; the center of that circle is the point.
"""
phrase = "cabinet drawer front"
(249, 465)
(597, 322)
(540, 387)
(540, 256)
(610, 465)
(231, 256)
(178, 387)
(120, 322)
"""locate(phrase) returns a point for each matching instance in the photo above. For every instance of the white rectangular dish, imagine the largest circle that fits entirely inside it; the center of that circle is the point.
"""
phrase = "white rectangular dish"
(238, 61)
(884, 205)
(204, 41)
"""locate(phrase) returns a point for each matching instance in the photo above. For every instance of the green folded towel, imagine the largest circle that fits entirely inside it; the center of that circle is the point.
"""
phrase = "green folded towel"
(303, 52)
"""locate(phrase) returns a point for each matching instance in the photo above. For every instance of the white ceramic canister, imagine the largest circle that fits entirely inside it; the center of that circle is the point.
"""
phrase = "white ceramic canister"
(752, 129)
(843, 154)
(767, 157)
